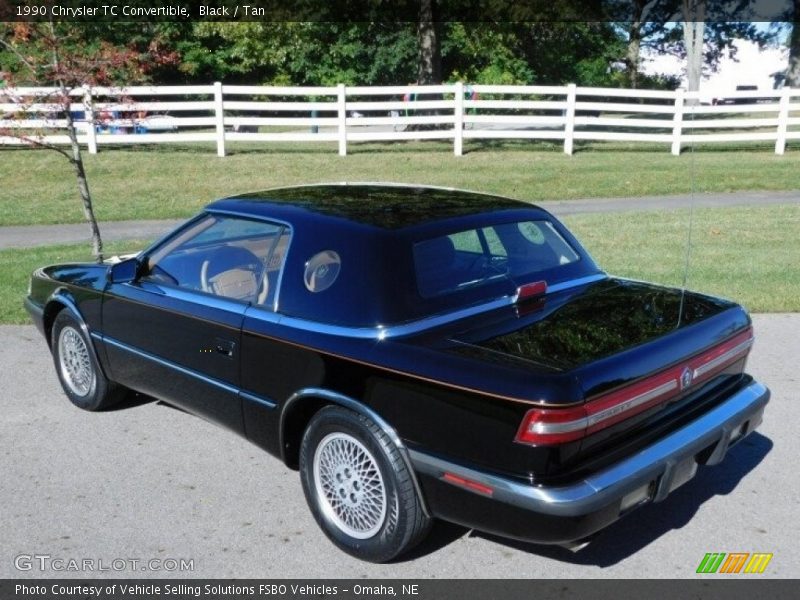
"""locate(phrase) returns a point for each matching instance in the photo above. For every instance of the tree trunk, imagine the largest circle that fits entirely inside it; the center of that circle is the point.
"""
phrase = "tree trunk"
(83, 187)
(632, 58)
(693, 32)
(76, 159)
(793, 73)
(429, 67)
(633, 52)
(693, 37)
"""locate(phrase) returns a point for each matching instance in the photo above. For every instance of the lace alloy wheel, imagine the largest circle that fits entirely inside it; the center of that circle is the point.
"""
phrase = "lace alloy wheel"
(349, 485)
(75, 364)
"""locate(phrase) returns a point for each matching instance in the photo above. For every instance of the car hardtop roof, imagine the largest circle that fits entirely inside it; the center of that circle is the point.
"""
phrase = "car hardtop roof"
(374, 205)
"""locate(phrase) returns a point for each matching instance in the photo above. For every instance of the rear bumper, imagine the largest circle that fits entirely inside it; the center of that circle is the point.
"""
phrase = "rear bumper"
(549, 514)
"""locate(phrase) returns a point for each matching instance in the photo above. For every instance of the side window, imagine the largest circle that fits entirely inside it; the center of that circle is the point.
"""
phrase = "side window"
(321, 270)
(225, 256)
(496, 247)
(515, 251)
(466, 241)
(542, 242)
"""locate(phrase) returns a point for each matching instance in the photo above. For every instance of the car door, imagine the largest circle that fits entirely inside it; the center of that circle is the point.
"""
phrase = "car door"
(174, 332)
(271, 368)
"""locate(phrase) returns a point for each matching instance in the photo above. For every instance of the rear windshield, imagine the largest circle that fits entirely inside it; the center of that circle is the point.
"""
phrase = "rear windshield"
(475, 257)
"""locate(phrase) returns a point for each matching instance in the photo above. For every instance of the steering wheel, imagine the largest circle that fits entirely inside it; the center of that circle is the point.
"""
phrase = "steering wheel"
(204, 285)
(205, 281)
(229, 259)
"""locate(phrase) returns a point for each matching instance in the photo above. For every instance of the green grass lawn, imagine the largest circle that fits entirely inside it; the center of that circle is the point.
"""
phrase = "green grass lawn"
(16, 266)
(749, 254)
(38, 186)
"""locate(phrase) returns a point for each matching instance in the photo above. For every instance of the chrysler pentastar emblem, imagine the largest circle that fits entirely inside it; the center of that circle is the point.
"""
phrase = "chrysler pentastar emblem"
(686, 378)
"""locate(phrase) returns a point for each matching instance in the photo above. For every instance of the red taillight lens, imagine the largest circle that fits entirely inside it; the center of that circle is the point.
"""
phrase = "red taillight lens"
(549, 426)
(469, 484)
(553, 426)
(531, 290)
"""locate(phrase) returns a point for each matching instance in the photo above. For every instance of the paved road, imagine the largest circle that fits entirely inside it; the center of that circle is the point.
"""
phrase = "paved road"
(44, 235)
(148, 481)
(28, 236)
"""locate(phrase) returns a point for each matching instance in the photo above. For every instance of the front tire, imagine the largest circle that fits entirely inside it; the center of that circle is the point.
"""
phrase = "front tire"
(77, 370)
(358, 487)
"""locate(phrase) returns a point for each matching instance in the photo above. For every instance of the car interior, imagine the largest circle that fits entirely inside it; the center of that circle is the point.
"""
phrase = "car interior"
(241, 268)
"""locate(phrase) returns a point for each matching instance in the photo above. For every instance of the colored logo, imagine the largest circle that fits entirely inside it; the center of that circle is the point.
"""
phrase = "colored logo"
(734, 562)
(686, 378)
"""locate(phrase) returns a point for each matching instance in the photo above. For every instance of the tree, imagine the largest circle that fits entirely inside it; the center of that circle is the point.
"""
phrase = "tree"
(641, 22)
(62, 57)
(586, 53)
(302, 53)
(701, 32)
(429, 66)
(708, 40)
(694, 13)
(487, 53)
(634, 49)
(793, 72)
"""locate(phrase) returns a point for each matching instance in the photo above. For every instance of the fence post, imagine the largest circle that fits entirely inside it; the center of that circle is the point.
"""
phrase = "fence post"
(219, 114)
(569, 119)
(677, 121)
(783, 121)
(341, 104)
(458, 119)
(88, 111)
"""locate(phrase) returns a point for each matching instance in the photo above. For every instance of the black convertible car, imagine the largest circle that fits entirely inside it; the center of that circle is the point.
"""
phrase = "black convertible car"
(416, 353)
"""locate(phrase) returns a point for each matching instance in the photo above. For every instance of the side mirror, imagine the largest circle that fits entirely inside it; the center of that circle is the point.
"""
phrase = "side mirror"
(125, 271)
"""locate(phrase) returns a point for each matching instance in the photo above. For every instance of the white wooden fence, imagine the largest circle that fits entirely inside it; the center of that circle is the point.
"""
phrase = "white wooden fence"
(342, 114)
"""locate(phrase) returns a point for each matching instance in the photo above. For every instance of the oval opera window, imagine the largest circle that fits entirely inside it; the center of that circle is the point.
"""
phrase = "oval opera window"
(322, 269)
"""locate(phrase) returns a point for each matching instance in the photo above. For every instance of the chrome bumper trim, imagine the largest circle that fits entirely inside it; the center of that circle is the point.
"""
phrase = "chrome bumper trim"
(657, 463)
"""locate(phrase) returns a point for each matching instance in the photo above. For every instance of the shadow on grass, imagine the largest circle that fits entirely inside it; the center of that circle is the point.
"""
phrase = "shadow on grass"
(285, 148)
(205, 149)
(557, 146)
(471, 146)
(478, 145)
(765, 148)
(639, 529)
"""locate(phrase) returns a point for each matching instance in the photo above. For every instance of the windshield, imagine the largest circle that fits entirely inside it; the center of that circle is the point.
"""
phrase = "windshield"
(475, 257)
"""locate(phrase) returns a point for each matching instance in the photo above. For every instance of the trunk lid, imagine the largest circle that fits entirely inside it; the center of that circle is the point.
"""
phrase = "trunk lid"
(572, 329)
(629, 350)
(606, 334)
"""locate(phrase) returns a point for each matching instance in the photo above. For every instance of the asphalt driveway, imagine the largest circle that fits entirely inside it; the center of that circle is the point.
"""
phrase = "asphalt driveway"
(149, 482)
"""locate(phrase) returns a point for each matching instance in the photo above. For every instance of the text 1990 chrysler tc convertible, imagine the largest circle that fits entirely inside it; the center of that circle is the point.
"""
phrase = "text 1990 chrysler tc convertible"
(417, 353)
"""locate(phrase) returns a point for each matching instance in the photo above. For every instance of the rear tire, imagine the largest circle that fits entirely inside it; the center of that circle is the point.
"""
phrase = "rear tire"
(76, 367)
(358, 486)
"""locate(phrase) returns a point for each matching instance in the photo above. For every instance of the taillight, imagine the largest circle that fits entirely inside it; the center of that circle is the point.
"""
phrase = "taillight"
(549, 426)
(553, 426)
(531, 290)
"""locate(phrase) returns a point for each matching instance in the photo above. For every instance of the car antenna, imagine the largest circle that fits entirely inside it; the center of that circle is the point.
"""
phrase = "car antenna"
(688, 251)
